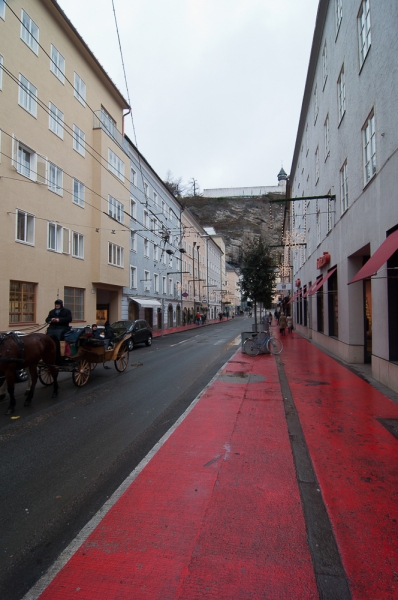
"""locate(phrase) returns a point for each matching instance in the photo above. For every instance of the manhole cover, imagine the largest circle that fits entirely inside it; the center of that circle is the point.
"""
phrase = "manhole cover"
(391, 425)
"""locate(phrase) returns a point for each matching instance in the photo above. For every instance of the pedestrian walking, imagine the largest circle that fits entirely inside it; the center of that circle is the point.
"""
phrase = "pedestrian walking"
(282, 323)
(198, 318)
(289, 320)
(220, 316)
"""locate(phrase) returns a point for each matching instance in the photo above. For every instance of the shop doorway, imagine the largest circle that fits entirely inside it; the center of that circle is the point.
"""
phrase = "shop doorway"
(102, 314)
(368, 320)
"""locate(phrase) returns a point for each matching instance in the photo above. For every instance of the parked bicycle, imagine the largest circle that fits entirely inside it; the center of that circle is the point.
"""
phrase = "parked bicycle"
(252, 346)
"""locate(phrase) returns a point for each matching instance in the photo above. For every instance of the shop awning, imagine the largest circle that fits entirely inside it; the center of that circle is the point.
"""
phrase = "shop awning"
(294, 297)
(382, 254)
(147, 302)
(321, 282)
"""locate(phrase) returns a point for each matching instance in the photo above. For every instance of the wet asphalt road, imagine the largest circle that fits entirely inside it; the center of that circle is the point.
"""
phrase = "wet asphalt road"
(63, 458)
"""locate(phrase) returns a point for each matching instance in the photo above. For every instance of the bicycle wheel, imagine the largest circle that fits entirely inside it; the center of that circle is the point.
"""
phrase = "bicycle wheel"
(250, 347)
(274, 345)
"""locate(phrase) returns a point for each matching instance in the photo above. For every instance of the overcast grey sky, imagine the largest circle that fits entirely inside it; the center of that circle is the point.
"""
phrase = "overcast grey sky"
(215, 85)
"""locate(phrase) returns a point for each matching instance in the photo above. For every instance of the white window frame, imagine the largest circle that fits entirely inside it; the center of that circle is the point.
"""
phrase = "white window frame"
(146, 248)
(156, 283)
(55, 179)
(2, 10)
(133, 241)
(29, 32)
(115, 209)
(327, 137)
(25, 222)
(147, 281)
(364, 31)
(79, 89)
(57, 64)
(115, 255)
(78, 192)
(164, 285)
(339, 14)
(146, 219)
(369, 148)
(341, 93)
(133, 209)
(155, 198)
(79, 140)
(108, 122)
(115, 165)
(155, 252)
(1, 71)
(77, 245)
(24, 167)
(60, 238)
(133, 176)
(27, 96)
(343, 187)
(324, 64)
(145, 189)
(133, 277)
(56, 120)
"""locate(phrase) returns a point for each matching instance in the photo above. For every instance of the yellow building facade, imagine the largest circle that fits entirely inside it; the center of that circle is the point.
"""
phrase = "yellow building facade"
(64, 177)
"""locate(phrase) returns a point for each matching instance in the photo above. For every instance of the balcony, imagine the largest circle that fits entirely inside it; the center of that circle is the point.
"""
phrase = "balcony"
(102, 121)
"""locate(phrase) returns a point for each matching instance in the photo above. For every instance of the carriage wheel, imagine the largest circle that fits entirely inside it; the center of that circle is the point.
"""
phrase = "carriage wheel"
(45, 376)
(81, 373)
(92, 366)
(122, 359)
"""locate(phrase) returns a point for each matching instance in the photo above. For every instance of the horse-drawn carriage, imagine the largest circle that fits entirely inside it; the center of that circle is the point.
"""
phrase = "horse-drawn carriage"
(78, 354)
(81, 353)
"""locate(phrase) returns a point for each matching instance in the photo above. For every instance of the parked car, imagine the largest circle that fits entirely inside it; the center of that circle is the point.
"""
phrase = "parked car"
(141, 331)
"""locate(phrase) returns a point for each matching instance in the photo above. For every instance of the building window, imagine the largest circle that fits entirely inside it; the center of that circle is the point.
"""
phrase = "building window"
(327, 137)
(22, 306)
(155, 198)
(74, 300)
(316, 104)
(79, 89)
(163, 207)
(25, 227)
(155, 252)
(146, 219)
(115, 165)
(26, 162)
(170, 214)
(133, 176)
(133, 209)
(156, 283)
(364, 36)
(79, 140)
(78, 192)
(55, 179)
(164, 257)
(108, 123)
(146, 248)
(58, 238)
(115, 255)
(3, 9)
(341, 93)
(164, 285)
(145, 189)
(57, 64)
(133, 241)
(316, 165)
(29, 32)
(1, 72)
(133, 277)
(324, 64)
(115, 209)
(56, 120)
(77, 245)
(344, 187)
(27, 96)
(147, 282)
(369, 148)
(339, 14)
(170, 286)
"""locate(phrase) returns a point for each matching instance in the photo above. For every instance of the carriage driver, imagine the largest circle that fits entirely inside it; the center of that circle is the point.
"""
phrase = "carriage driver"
(59, 319)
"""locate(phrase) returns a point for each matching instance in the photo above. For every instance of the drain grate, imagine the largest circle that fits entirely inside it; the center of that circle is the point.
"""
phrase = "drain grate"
(391, 425)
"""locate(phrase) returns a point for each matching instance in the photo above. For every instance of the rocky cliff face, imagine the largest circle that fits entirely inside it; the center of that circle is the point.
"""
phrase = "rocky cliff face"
(239, 219)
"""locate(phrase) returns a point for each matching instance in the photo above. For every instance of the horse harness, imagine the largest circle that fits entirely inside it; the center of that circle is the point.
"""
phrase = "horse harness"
(21, 349)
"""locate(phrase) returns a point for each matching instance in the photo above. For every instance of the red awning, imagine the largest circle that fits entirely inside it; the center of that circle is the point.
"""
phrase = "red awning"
(382, 254)
(293, 298)
(321, 282)
(312, 287)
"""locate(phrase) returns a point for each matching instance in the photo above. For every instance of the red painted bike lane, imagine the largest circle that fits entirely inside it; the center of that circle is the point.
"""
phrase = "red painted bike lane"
(355, 459)
(215, 513)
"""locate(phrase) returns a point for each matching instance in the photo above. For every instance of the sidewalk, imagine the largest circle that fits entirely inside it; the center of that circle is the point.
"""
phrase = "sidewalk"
(218, 511)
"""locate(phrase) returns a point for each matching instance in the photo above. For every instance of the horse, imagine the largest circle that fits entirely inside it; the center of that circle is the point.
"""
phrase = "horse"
(26, 352)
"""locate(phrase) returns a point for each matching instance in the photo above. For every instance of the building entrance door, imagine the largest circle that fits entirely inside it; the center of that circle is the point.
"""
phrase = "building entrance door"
(368, 320)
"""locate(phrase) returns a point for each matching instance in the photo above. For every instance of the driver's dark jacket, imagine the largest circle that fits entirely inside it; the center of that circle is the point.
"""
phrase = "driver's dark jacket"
(64, 316)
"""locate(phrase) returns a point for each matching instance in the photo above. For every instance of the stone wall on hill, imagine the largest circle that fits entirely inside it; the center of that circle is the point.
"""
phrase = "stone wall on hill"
(238, 219)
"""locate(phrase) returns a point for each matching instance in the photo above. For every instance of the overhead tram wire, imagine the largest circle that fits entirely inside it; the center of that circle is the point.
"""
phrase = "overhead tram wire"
(85, 103)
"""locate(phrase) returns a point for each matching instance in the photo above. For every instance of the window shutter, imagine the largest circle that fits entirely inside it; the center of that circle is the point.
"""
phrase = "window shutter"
(41, 168)
(65, 241)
